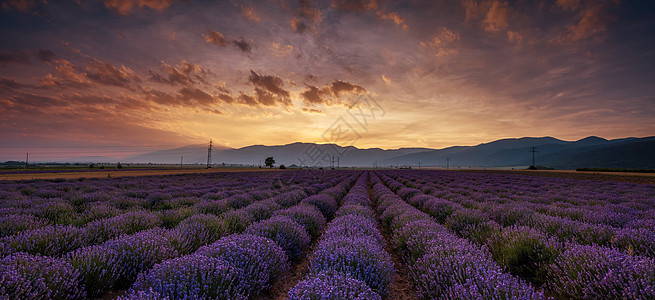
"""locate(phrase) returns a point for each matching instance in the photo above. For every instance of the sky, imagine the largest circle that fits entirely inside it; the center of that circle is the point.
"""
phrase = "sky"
(116, 77)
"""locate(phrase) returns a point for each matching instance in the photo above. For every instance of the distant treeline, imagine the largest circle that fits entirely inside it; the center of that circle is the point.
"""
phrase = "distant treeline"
(615, 170)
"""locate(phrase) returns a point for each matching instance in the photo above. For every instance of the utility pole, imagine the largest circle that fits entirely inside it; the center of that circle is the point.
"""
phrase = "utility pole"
(533, 150)
(332, 161)
(419, 165)
(181, 161)
(27, 160)
(209, 153)
(447, 163)
(338, 159)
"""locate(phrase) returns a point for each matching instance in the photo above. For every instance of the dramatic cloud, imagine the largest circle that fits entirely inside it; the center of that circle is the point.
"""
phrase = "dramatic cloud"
(215, 38)
(249, 13)
(25, 6)
(45, 55)
(393, 16)
(125, 7)
(270, 83)
(184, 73)
(197, 95)
(447, 72)
(492, 14)
(242, 44)
(107, 74)
(592, 19)
(330, 94)
(17, 57)
(355, 5)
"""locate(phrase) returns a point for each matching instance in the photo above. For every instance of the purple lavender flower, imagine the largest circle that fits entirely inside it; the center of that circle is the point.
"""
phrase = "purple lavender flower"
(306, 215)
(594, 272)
(355, 209)
(262, 260)
(98, 267)
(332, 285)
(196, 231)
(27, 276)
(49, 240)
(326, 204)
(360, 257)
(235, 221)
(291, 236)
(12, 224)
(140, 251)
(193, 277)
(262, 210)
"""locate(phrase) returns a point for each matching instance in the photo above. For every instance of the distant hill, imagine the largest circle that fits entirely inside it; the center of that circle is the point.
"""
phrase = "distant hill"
(590, 152)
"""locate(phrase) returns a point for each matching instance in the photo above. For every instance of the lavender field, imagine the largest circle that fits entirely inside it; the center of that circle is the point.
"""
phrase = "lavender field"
(310, 234)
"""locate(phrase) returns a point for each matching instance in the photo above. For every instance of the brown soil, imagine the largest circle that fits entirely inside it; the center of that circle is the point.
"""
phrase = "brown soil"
(401, 287)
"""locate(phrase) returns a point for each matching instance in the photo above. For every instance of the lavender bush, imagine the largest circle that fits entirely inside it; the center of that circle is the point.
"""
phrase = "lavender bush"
(331, 285)
(306, 215)
(192, 277)
(262, 260)
(289, 235)
(27, 276)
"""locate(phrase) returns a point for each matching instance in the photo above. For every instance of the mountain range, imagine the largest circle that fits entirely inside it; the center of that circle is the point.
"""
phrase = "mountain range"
(591, 152)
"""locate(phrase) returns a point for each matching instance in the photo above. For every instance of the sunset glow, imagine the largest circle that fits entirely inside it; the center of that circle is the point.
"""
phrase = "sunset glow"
(117, 77)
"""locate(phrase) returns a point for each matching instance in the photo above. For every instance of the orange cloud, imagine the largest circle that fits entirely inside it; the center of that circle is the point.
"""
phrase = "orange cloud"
(249, 13)
(393, 16)
(25, 6)
(124, 7)
(355, 5)
(513, 36)
(215, 38)
(496, 13)
(592, 20)
(569, 5)
(330, 94)
(496, 18)
(185, 73)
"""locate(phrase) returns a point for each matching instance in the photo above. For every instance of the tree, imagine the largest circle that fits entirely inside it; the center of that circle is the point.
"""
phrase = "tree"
(269, 162)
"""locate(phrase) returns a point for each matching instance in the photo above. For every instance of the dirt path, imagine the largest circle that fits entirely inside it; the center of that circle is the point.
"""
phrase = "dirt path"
(401, 287)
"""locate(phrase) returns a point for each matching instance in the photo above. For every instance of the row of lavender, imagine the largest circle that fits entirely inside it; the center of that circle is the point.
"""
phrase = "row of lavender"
(242, 266)
(551, 255)
(350, 261)
(612, 214)
(442, 265)
(31, 205)
(114, 264)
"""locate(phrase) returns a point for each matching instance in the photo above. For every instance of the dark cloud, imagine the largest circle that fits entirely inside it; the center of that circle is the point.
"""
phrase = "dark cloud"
(297, 25)
(313, 111)
(227, 98)
(339, 87)
(10, 84)
(307, 10)
(242, 44)
(25, 6)
(197, 95)
(125, 7)
(330, 94)
(107, 74)
(355, 5)
(18, 57)
(215, 38)
(313, 95)
(185, 73)
(247, 99)
(45, 55)
(270, 83)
